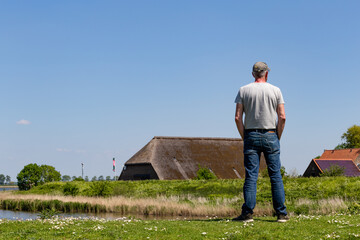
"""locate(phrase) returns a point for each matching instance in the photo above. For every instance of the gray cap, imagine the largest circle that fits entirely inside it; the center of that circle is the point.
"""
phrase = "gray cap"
(260, 67)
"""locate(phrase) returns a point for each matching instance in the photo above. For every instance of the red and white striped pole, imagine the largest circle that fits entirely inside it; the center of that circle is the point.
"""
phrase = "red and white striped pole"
(114, 169)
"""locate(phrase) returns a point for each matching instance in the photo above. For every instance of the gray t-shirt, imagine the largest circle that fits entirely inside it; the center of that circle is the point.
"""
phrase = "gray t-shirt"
(260, 101)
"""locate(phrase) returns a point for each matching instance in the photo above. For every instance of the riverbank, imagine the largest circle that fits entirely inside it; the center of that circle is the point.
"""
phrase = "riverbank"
(8, 187)
(300, 227)
(221, 198)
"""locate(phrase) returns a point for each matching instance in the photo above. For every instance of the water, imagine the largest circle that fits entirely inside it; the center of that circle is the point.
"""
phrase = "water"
(21, 215)
(8, 188)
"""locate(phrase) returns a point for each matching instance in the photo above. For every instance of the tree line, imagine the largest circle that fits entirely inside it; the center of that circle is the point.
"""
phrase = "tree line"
(33, 175)
(5, 180)
(67, 178)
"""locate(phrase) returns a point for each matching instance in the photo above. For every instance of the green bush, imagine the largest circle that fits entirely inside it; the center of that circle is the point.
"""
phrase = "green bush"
(265, 174)
(70, 189)
(333, 171)
(100, 189)
(47, 213)
(204, 174)
(354, 208)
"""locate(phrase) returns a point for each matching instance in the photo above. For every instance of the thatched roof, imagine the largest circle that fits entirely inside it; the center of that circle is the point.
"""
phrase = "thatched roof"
(180, 157)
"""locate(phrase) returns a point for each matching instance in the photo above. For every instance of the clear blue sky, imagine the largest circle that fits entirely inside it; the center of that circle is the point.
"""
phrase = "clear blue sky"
(86, 81)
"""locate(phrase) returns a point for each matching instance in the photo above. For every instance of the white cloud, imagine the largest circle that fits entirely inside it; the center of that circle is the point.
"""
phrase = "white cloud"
(80, 151)
(70, 150)
(63, 150)
(23, 122)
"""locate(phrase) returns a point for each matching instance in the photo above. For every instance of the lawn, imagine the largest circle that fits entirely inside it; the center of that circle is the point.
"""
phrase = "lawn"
(299, 227)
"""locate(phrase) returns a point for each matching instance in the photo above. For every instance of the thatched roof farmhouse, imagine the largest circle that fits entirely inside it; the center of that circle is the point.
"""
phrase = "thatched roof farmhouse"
(180, 157)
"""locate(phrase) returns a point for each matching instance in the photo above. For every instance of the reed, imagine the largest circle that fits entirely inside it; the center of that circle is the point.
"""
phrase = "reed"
(161, 206)
(167, 206)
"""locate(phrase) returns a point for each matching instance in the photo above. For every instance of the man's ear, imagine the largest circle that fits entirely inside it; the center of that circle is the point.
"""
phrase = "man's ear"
(266, 75)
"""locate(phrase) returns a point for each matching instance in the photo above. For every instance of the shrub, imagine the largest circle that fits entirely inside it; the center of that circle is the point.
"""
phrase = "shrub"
(100, 189)
(264, 173)
(47, 213)
(354, 208)
(333, 171)
(70, 189)
(78, 179)
(204, 174)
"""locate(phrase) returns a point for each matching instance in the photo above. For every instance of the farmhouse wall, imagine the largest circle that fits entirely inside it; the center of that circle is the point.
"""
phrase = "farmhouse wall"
(138, 172)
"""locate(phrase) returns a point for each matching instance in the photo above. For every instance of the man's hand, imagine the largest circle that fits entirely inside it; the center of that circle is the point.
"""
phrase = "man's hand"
(281, 120)
(239, 119)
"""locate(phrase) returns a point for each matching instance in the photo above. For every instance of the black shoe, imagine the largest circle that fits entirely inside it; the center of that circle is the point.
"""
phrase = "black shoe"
(244, 218)
(282, 218)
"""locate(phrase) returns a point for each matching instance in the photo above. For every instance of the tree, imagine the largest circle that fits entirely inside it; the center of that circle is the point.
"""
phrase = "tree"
(351, 138)
(108, 178)
(101, 178)
(29, 177)
(8, 179)
(49, 174)
(32, 175)
(66, 178)
(2, 179)
(94, 179)
(86, 178)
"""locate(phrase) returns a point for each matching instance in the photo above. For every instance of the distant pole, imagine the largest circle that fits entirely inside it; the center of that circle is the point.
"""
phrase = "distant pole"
(82, 170)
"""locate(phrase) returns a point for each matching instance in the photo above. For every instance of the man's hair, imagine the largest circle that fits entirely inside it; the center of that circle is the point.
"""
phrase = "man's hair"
(259, 74)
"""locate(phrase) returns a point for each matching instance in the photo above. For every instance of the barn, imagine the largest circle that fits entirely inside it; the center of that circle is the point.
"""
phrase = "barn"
(349, 159)
(168, 158)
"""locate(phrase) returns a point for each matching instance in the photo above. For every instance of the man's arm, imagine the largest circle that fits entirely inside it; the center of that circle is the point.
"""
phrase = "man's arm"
(239, 119)
(281, 120)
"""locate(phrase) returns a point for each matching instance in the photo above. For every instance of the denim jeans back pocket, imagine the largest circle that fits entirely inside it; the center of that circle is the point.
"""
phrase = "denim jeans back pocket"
(272, 143)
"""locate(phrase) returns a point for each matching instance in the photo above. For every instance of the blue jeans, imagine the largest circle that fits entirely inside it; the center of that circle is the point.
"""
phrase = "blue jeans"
(254, 144)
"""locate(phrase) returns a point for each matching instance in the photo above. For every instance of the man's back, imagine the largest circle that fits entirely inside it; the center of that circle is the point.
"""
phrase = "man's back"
(260, 101)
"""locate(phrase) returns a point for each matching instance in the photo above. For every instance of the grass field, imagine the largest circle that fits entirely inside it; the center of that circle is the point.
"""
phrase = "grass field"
(299, 227)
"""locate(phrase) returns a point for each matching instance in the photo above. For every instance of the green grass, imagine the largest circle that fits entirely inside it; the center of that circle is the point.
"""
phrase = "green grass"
(301, 227)
(295, 188)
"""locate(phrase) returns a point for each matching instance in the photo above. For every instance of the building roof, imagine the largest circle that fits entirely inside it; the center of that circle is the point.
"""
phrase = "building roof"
(350, 169)
(180, 157)
(350, 153)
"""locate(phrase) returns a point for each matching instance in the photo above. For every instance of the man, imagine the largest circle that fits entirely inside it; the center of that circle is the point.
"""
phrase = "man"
(263, 106)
